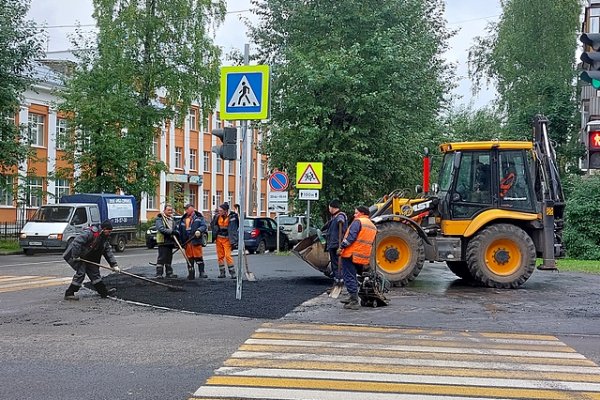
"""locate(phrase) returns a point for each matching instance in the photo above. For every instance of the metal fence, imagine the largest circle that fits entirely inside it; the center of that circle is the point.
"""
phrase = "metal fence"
(11, 230)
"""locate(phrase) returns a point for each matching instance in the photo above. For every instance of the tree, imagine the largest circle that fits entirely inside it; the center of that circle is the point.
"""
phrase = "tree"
(465, 124)
(150, 60)
(357, 85)
(582, 233)
(529, 54)
(19, 47)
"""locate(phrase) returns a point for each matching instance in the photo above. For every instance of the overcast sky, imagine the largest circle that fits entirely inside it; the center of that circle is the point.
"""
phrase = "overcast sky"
(466, 16)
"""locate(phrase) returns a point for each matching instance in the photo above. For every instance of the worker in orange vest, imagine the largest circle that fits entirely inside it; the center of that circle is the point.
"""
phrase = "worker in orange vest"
(225, 228)
(355, 250)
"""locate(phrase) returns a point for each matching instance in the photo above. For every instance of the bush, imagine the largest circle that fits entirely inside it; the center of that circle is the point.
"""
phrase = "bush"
(582, 230)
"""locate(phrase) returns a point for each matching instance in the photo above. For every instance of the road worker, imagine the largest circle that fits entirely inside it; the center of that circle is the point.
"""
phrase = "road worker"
(355, 249)
(90, 245)
(192, 228)
(225, 228)
(166, 234)
(334, 229)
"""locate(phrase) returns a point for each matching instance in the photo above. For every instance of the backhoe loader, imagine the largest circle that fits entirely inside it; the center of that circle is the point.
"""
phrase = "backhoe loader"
(498, 206)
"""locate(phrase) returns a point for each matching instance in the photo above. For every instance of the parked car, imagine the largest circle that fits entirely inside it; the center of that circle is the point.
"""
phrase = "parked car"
(260, 234)
(294, 227)
(151, 234)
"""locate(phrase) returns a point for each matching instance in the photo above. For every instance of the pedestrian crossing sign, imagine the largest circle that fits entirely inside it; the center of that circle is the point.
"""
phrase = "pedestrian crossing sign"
(244, 92)
(309, 175)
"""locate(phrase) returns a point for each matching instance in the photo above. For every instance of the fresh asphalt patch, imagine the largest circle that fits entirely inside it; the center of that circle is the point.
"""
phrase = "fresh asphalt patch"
(283, 284)
(266, 298)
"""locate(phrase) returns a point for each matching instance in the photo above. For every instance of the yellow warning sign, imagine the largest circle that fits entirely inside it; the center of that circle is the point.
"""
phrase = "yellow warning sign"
(309, 175)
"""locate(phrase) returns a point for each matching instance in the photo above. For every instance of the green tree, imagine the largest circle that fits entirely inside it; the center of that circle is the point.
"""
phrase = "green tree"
(465, 124)
(150, 60)
(357, 85)
(582, 232)
(529, 54)
(19, 47)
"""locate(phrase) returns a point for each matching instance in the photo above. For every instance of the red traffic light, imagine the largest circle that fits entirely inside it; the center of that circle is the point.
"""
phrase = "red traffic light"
(594, 142)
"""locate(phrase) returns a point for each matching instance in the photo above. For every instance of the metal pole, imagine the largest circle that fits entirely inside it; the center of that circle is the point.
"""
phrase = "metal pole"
(277, 248)
(243, 194)
(308, 218)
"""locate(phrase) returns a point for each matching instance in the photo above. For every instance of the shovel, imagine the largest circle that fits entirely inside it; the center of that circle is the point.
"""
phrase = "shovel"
(170, 287)
(336, 290)
(249, 275)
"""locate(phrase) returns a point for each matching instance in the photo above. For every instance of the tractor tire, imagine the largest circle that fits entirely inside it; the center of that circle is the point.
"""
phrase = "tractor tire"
(501, 256)
(399, 252)
(460, 269)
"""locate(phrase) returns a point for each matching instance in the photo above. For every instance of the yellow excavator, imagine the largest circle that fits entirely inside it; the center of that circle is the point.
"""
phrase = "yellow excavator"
(498, 206)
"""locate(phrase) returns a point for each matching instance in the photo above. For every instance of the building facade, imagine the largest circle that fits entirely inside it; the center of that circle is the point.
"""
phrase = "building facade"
(195, 174)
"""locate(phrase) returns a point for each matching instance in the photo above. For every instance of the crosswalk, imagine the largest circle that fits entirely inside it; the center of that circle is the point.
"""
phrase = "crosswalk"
(13, 283)
(294, 361)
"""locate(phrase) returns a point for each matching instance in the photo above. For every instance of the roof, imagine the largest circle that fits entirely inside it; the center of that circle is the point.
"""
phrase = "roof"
(493, 144)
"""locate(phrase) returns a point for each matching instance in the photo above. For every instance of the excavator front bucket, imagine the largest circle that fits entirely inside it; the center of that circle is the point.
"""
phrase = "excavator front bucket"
(313, 252)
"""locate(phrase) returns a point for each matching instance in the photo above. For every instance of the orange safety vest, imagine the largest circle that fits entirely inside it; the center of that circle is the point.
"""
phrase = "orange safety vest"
(360, 249)
(223, 224)
(506, 183)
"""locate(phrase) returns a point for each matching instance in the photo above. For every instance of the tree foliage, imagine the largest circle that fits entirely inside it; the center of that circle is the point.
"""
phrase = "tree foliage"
(150, 60)
(357, 85)
(465, 124)
(19, 47)
(582, 231)
(529, 54)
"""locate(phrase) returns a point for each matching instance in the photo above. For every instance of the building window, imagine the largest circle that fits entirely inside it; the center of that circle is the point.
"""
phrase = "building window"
(62, 187)
(193, 116)
(84, 140)
(193, 157)
(207, 125)
(230, 167)
(263, 203)
(6, 191)
(36, 129)
(219, 198)
(61, 133)
(154, 148)
(594, 20)
(206, 163)
(230, 198)
(178, 160)
(218, 123)
(193, 197)
(219, 166)
(151, 202)
(205, 197)
(35, 191)
(10, 118)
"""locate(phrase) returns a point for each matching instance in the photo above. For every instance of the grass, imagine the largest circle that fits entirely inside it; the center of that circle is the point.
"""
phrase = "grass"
(587, 266)
(9, 245)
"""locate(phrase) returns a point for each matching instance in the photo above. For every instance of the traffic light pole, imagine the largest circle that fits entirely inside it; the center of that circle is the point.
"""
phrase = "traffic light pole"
(243, 193)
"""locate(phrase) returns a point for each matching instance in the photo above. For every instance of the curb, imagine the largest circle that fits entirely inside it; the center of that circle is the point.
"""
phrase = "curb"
(20, 251)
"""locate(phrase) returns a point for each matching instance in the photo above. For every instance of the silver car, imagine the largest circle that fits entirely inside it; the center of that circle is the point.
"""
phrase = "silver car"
(295, 227)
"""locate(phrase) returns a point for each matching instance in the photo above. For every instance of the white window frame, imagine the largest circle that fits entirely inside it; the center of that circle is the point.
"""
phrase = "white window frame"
(193, 196)
(193, 119)
(35, 189)
(150, 201)
(7, 192)
(178, 157)
(62, 127)
(219, 164)
(36, 129)
(193, 159)
(61, 187)
(206, 163)
(205, 199)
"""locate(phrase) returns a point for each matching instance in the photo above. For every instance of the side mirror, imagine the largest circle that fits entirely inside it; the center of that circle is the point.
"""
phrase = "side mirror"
(435, 188)
(418, 189)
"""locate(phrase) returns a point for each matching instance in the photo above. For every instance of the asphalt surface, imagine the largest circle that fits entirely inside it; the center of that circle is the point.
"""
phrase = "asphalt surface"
(266, 298)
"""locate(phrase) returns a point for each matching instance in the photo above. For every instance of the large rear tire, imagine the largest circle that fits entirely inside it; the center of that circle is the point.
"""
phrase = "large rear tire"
(501, 256)
(460, 269)
(399, 252)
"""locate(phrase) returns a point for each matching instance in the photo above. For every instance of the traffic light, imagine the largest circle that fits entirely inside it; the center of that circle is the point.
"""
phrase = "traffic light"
(594, 149)
(591, 74)
(228, 150)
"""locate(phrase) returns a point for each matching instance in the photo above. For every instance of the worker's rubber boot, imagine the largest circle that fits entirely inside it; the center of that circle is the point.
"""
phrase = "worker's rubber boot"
(103, 291)
(159, 271)
(222, 271)
(169, 272)
(201, 273)
(191, 271)
(346, 299)
(353, 303)
(231, 269)
(70, 292)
